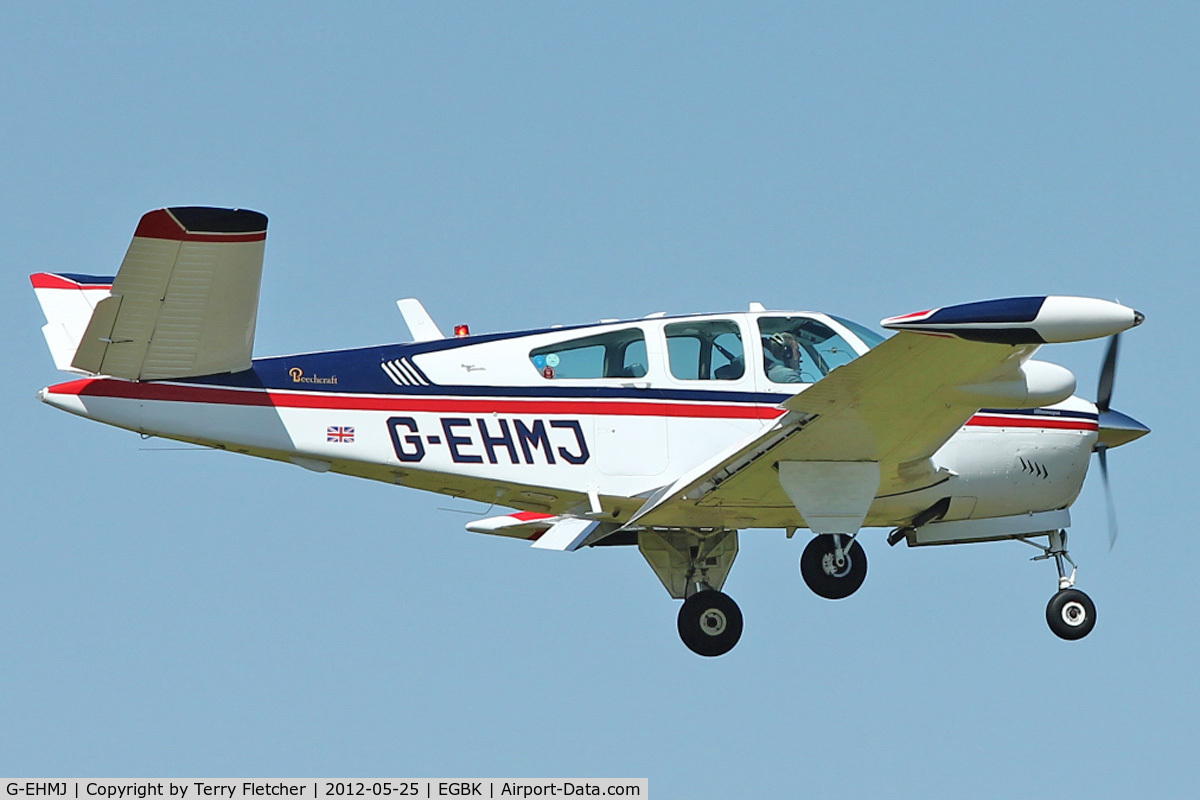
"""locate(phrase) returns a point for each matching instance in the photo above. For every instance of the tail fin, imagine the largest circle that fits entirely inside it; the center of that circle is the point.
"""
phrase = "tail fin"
(185, 300)
(68, 301)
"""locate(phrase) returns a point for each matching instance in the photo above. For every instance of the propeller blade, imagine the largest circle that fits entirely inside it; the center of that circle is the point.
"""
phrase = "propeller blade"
(1102, 452)
(1107, 375)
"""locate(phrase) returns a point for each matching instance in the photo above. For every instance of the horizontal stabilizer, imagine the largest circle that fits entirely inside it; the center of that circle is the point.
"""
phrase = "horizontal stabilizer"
(546, 531)
(566, 534)
(68, 301)
(519, 524)
(185, 300)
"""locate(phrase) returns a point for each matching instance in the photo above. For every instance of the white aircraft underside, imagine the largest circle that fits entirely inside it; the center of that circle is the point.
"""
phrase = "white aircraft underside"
(980, 467)
(668, 433)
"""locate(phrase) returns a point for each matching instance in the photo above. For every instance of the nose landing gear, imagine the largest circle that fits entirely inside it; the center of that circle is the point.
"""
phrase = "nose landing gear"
(1071, 614)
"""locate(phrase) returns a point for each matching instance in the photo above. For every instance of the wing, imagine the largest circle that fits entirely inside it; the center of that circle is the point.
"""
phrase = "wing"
(894, 407)
(185, 299)
(870, 428)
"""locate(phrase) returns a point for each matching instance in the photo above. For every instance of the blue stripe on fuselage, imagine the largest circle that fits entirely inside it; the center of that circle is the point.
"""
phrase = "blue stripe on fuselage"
(359, 371)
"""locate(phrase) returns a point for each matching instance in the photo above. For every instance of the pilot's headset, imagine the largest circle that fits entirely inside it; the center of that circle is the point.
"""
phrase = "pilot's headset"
(779, 344)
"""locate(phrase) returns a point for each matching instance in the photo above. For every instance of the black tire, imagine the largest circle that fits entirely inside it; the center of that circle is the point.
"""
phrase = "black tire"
(824, 577)
(710, 623)
(1071, 614)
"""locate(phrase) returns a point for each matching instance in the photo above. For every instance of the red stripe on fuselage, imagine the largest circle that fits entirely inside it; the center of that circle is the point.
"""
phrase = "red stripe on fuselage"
(177, 393)
(180, 393)
(1056, 423)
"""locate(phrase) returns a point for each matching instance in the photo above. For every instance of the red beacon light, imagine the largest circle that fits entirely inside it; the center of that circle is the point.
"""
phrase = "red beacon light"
(462, 330)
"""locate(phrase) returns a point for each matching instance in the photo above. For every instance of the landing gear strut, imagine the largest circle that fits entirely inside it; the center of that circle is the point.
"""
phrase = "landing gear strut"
(1071, 614)
(833, 565)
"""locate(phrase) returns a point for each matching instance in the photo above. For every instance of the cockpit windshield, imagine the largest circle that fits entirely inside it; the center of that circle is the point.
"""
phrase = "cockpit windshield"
(801, 349)
(869, 337)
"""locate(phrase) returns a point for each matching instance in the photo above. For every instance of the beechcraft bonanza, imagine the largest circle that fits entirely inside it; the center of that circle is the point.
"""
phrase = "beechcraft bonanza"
(668, 433)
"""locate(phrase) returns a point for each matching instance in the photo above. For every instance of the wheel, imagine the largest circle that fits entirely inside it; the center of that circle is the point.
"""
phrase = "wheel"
(824, 576)
(710, 623)
(1071, 614)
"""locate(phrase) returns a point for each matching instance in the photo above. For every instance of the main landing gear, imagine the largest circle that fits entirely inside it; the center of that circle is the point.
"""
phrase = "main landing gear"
(692, 564)
(833, 565)
(1071, 614)
(710, 623)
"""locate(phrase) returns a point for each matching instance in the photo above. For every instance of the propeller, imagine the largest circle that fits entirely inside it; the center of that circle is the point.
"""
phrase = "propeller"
(1107, 373)
(1103, 403)
(1102, 452)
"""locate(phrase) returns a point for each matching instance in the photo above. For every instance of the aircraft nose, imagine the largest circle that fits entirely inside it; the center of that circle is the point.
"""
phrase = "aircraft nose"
(1117, 429)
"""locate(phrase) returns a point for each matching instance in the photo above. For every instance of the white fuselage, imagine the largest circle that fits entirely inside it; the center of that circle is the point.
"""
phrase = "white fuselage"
(489, 418)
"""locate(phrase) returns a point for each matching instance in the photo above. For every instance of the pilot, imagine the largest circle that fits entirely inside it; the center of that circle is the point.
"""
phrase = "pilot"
(785, 348)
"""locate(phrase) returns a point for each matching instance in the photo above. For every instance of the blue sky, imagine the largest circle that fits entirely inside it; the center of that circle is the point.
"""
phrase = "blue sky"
(196, 614)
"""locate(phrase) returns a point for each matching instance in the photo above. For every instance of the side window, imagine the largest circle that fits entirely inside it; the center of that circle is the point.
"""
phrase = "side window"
(801, 350)
(634, 359)
(708, 350)
(617, 354)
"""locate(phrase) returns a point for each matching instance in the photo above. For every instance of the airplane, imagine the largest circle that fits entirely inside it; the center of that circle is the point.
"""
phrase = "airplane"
(669, 433)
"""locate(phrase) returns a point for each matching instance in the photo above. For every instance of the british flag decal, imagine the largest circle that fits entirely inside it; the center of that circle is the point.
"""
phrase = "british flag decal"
(343, 434)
